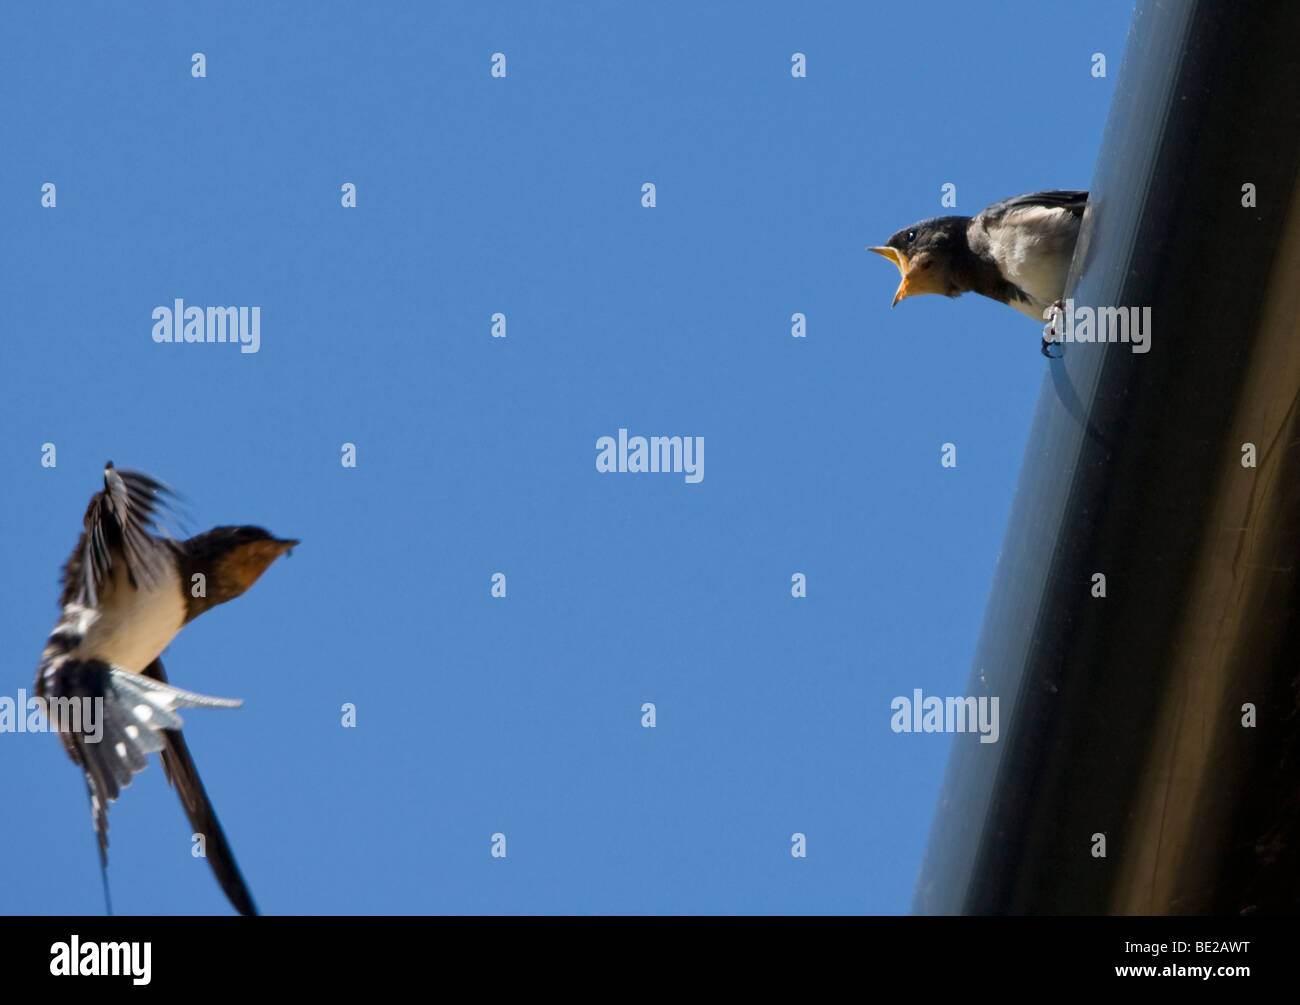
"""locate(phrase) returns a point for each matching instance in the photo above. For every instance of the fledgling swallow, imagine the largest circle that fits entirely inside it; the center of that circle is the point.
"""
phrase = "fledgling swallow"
(127, 592)
(1017, 251)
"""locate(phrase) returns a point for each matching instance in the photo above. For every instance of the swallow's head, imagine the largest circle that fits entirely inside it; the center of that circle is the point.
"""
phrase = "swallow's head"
(925, 253)
(239, 557)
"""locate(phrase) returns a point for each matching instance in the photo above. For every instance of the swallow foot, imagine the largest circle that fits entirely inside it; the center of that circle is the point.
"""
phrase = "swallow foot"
(1054, 329)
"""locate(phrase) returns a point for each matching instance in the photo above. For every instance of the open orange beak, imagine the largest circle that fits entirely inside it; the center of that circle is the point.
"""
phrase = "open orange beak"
(899, 259)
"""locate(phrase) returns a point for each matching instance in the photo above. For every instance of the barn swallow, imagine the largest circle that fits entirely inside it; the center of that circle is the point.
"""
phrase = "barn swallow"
(127, 592)
(1017, 251)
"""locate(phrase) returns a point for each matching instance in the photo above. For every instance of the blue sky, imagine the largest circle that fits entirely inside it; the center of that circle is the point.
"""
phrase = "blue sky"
(522, 195)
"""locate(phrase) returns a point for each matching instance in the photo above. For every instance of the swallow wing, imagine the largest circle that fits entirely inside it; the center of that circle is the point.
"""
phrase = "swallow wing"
(128, 715)
(1071, 202)
(117, 528)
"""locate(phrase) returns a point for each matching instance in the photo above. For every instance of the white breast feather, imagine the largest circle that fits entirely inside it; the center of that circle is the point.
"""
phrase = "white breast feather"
(1032, 247)
(133, 626)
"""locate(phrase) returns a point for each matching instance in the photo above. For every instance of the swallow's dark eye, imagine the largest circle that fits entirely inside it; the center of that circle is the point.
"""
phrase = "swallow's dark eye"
(911, 235)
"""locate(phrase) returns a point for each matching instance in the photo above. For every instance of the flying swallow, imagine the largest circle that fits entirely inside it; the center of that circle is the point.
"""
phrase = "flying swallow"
(1017, 251)
(127, 592)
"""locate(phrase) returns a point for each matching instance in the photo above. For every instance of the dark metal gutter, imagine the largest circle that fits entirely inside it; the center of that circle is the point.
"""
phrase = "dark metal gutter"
(1122, 716)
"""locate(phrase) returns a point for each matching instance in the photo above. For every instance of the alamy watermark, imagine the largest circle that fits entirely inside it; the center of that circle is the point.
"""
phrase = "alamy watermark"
(920, 714)
(179, 323)
(1067, 323)
(83, 715)
(76, 958)
(681, 454)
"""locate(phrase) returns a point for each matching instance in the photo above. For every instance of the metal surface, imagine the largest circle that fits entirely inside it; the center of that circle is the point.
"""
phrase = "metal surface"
(1123, 716)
